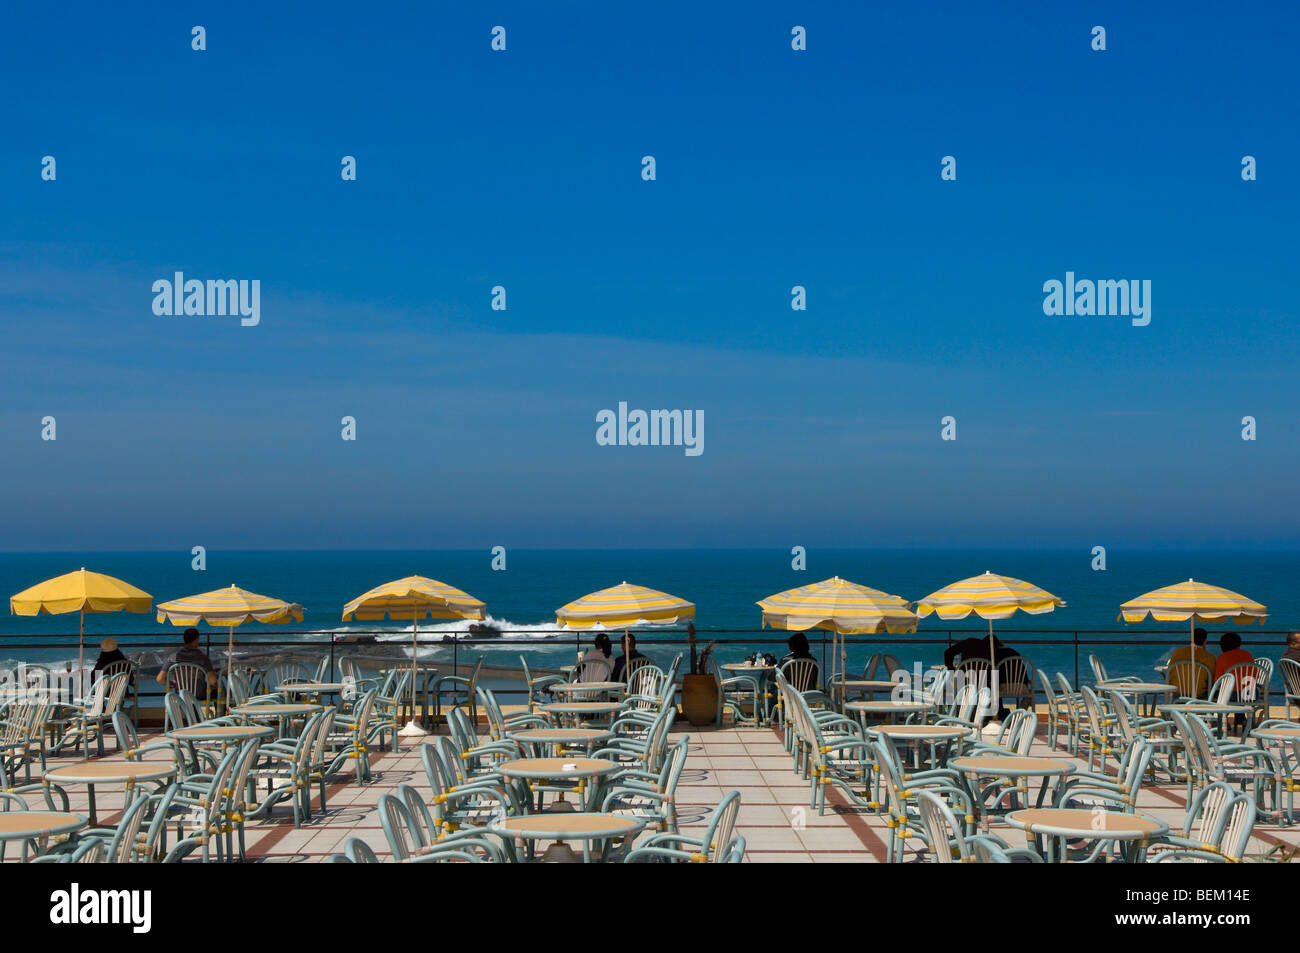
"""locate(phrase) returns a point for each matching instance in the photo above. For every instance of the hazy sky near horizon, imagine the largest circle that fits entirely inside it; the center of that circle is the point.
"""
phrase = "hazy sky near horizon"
(522, 168)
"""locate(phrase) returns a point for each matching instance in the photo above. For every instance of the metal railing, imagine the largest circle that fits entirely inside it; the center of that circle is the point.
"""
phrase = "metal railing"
(313, 644)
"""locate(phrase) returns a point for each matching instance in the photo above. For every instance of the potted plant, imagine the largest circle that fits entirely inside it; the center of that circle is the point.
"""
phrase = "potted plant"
(699, 687)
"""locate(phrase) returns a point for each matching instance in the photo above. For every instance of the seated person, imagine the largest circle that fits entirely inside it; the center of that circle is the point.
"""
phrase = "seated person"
(190, 654)
(1203, 655)
(803, 678)
(602, 652)
(977, 647)
(1292, 652)
(110, 654)
(619, 674)
(1231, 653)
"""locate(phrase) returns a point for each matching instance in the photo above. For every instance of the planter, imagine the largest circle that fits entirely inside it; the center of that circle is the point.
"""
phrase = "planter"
(700, 699)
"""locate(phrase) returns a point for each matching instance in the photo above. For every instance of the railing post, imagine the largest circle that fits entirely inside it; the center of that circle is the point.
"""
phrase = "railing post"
(1076, 660)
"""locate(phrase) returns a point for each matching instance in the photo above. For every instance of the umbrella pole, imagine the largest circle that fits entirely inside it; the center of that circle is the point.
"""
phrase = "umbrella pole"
(230, 662)
(993, 664)
(413, 729)
(81, 653)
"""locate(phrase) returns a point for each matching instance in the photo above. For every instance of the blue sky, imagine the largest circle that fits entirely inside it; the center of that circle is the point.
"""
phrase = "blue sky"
(522, 168)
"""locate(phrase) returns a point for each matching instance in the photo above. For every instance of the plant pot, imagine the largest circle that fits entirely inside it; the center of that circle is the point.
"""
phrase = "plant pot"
(700, 699)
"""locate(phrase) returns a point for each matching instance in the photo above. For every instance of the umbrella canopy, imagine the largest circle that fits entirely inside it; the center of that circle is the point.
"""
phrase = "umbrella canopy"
(839, 606)
(414, 598)
(989, 596)
(1196, 601)
(1193, 602)
(81, 592)
(229, 607)
(624, 605)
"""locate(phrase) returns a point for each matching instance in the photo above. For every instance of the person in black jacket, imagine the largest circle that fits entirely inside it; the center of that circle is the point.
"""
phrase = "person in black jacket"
(110, 654)
(809, 680)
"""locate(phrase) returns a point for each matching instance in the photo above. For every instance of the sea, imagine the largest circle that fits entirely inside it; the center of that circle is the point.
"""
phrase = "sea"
(522, 598)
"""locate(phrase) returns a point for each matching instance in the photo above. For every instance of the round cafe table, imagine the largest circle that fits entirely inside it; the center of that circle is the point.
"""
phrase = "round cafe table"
(1061, 824)
(1208, 710)
(589, 828)
(1146, 690)
(576, 711)
(883, 709)
(561, 738)
(39, 826)
(311, 688)
(580, 775)
(585, 688)
(126, 773)
(280, 711)
(1013, 768)
(761, 674)
(914, 736)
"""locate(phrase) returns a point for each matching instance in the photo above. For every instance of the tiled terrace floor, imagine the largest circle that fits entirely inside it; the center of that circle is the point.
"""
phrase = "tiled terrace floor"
(774, 817)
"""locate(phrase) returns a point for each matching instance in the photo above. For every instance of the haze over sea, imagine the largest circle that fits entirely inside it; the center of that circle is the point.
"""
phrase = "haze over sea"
(724, 585)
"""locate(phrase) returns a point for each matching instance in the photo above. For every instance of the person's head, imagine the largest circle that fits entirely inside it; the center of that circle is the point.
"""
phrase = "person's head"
(602, 643)
(798, 643)
(629, 640)
(1229, 641)
(108, 645)
(190, 638)
(1293, 640)
(1199, 636)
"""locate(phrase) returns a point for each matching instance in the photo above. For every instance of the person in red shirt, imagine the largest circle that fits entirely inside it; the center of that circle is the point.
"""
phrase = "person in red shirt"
(1231, 653)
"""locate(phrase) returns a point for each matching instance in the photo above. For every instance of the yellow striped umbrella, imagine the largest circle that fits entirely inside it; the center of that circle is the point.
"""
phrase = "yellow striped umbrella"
(623, 606)
(81, 592)
(229, 607)
(1194, 602)
(840, 607)
(414, 598)
(990, 597)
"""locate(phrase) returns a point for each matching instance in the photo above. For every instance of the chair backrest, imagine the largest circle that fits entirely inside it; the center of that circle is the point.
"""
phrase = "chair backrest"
(594, 669)
(322, 673)
(123, 849)
(1048, 693)
(1251, 680)
(359, 852)
(635, 665)
(282, 673)
(1092, 707)
(892, 665)
(1290, 670)
(1017, 731)
(941, 828)
(646, 681)
(1188, 676)
(178, 713)
(674, 667)
(1132, 770)
(402, 830)
(1098, 669)
(869, 670)
(1015, 676)
(1122, 709)
(1239, 826)
(716, 842)
(1221, 690)
(188, 677)
(803, 674)
(98, 694)
(1207, 814)
(119, 683)
(1199, 749)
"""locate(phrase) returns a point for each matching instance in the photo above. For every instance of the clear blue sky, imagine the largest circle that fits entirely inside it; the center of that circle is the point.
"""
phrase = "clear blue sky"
(775, 168)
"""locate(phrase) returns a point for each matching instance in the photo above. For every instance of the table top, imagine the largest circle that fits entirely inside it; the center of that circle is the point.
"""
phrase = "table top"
(553, 768)
(1281, 733)
(1010, 766)
(1086, 823)
(1140, 688)
(276, 709)
(220, 732)
(746, 667)
(565, 826)
(21, 824)
(561, 736)
(579, 687)
(1205, 708)
(299, 687)
(584, 708)
(869, 683)
(110, 771)
(885, 706)
(924, 732)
